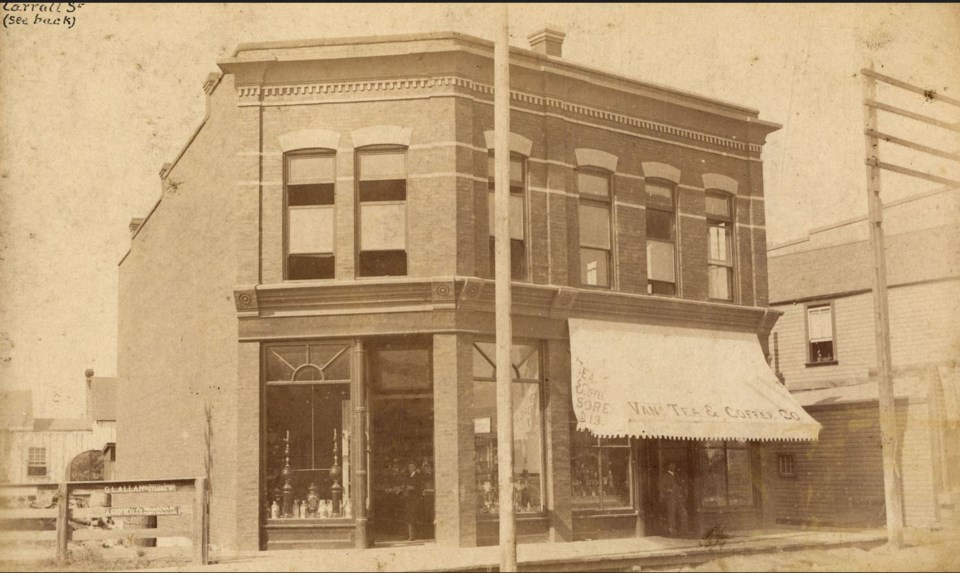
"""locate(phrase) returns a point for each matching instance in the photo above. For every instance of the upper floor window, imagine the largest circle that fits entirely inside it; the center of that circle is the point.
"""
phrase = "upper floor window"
(661, 239)
(309, 195)
(382, 219)
(595, 235)
(36, 462)
(518, 252)
(820, 339)
(720, 258)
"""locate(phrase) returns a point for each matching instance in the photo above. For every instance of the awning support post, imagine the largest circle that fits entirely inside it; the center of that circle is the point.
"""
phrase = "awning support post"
(504, 326)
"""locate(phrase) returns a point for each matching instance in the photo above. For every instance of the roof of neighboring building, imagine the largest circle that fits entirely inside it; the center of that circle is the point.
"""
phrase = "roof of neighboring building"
(847, 268)
(904, 387)
(16, 409)
(103, 397)
(61, 424)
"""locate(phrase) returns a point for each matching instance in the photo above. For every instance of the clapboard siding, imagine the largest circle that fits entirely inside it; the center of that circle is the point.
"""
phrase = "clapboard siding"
(839, 479)
(924, 322)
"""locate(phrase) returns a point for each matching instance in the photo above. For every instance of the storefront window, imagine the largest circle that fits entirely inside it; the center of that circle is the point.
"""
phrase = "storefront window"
(727, 474)
(527, 428)
(308, 410)
(600, 471)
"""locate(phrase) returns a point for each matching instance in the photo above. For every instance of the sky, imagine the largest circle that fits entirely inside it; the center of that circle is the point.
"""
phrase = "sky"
(90, 109)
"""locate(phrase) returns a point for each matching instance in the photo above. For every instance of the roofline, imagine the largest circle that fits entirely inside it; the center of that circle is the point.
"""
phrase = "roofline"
(730, 109)
(861, 218)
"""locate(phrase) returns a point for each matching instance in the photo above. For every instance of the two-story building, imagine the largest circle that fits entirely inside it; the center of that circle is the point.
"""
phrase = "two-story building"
(306, 315)
(824, 346)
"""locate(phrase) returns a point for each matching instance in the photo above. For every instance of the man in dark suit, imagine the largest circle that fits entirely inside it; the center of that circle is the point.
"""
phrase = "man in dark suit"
(412, 498)
(673, 499)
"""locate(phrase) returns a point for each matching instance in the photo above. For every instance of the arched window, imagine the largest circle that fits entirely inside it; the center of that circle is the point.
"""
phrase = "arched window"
(309, 180)
(661, 238)
(720, 257)
(382, 217)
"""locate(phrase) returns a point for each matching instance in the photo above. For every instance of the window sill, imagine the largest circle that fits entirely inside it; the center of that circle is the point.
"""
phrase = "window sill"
(824, 363)
(601, 513)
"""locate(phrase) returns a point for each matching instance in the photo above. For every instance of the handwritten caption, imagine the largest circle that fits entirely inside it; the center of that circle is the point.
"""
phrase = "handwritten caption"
(40, 14)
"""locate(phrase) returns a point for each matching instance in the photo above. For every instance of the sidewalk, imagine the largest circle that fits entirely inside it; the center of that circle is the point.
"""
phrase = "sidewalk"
(574, 556)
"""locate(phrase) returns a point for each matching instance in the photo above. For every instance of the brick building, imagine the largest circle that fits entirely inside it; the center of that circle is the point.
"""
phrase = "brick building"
(824, 345)
(313, 293)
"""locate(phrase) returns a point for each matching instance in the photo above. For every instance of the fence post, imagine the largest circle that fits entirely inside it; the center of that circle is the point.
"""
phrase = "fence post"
(63, 525)
(200, 521)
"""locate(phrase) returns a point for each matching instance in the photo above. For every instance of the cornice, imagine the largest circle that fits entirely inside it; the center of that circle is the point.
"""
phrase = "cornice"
(318, 92)
(469, 294)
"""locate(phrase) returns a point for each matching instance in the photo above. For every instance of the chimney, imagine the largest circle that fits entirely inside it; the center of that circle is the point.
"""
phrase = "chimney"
(88, 414)
(548, 41)
(135, 225)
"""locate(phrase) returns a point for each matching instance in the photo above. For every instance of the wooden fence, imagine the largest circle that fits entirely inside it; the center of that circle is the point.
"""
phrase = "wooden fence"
(40, 520)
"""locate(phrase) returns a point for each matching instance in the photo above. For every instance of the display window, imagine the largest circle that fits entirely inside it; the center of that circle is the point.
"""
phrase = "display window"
(307, 400)
(601, 471)
(727, 475)
(527, 428)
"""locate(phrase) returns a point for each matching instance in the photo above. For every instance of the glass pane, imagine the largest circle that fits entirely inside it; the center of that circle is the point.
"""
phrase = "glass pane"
(391, 190)
(322, 354)
(593, 184)
(485, 447)
(585, 468)
(526, 361)
(484, 360)
(594, 267)
(821, 351)
(739, 477)
(283, 360)
(660, 225)
(718, 206)
(310, 230)
(383, 263)
(310, 168)
(527, 446)
(516, 215)
(402, 368)
(719, 282)
(661, 265)
(714, 466)
(819, 324)
(314, 194)
(306, 267)
(380, 166)
(516, 172)
(383, 227)
(718, 243)
(615, 478)
(661, 195)
(595, 226)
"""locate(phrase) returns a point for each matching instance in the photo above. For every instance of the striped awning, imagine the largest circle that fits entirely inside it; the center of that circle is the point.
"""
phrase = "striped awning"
(667, 382)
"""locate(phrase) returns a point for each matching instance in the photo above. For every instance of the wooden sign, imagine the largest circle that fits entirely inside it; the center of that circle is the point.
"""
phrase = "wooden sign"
(129, 511)
(140, 488)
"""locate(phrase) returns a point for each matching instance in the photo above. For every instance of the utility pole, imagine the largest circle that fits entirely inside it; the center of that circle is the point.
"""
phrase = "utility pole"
(503, 302)
(893, 489)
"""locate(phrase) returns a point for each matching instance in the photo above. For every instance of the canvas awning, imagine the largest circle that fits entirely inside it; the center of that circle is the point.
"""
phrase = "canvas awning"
(668, 382)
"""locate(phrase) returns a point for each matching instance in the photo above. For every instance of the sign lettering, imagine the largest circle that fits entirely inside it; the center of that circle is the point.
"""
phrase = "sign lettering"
(130, 511)
(140, 488)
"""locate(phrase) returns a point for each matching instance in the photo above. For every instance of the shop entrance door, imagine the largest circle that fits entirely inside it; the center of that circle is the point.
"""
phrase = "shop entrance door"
(669, 489)
(401, 468)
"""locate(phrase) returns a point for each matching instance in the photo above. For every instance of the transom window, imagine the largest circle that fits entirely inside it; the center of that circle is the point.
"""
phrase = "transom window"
(518, 252)
(527, 428)
(661, 239)
(720, 245)
(595, 227)
(382, 196)
(820, 339)
(309, 193)
(36, 462)
(727, 474)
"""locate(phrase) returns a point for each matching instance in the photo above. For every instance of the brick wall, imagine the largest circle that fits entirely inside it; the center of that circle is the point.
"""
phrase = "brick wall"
(177, 325)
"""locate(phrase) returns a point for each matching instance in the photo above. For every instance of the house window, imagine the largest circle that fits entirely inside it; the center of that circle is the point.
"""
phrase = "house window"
(307, 397)
(601, 476)
(785, 465)
(309, 195)
(36, 462)
(382, 196)
(820, 342)
(720, 245)
(518, 252)
(595, 236)
(727, 474)
(661, 240)
(527, 428)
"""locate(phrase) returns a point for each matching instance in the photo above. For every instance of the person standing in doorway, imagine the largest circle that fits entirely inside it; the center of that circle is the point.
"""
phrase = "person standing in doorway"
(412, 498)
(673, 499)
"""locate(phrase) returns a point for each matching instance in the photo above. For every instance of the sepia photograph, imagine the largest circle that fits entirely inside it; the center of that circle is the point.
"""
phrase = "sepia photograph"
(479, 287)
